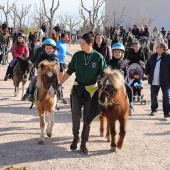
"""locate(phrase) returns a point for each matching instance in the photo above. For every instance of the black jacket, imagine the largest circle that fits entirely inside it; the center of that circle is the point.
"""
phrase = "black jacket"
(135, 57)
(164, 74)
(119, 64)
(45, 56)
(43, 27)
(146, 32)
(105, 50)
(4, 26)
(57, 29)
(135, 31)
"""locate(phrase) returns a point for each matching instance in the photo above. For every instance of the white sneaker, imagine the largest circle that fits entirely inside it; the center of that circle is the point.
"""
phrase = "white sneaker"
(134, 98)
(139, 98)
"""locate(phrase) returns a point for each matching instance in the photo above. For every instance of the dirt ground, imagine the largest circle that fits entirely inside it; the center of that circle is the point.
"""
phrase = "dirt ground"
(147, 143)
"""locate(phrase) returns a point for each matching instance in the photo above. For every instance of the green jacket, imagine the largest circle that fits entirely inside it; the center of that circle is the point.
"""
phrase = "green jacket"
(87, 73)
(37, 53)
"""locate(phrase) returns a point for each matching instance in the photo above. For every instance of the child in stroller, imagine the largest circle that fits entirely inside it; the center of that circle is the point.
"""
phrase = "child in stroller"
(136, 84)
(134, 79)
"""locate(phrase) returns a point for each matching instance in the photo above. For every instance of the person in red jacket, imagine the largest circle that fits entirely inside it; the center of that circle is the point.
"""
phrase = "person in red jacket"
(20, 48)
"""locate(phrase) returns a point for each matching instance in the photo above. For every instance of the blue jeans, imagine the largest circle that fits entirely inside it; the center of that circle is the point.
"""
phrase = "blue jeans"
(166, 98)
(129, 92)
(5, 52)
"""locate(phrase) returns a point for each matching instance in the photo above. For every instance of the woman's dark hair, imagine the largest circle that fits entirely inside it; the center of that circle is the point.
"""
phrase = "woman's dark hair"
(89, 38)
(92, 33)
(63, 35)
(44, 38)
(23, 43)
(136, 43)
(104, 42)
(155, 29)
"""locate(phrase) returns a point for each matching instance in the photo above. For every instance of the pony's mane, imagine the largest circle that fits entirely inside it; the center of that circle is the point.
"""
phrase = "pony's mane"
(115, 76)
(47, 66)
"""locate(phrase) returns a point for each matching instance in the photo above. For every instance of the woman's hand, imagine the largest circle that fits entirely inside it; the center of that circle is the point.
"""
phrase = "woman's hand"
(128, 61)
(140, 62)
(147, 76)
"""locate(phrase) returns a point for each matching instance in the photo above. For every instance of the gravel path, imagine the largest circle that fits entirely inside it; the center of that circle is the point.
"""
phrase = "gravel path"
(147, 144)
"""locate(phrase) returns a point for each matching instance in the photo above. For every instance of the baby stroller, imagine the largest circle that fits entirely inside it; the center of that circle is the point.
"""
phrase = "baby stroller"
(134, 79)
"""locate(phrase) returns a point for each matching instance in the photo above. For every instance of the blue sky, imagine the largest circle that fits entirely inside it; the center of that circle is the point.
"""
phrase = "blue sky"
(66, 6)
(70, 7)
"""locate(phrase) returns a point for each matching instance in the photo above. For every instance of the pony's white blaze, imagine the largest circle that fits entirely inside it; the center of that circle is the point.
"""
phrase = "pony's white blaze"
(50, 74)
(107, 82)
(51, 91)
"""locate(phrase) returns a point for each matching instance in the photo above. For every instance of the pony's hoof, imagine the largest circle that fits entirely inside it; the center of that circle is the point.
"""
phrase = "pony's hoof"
(57, 108)
(101, 135)
(41, 142)
(113, 148)
(108, 140)
(119, 145)
(49, 135)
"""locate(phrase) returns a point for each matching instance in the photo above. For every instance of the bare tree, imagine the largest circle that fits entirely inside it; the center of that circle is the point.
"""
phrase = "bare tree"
(50, 17)
(85, 20)
(14, 16)
(8, 9)
(93, 12)
(70, 21)
(26, 24)
(141, 21)
(101, 22)
(40, 18)
(21, 15)
(116, 21)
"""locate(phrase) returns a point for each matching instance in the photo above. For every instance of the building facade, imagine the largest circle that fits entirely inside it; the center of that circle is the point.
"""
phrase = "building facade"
(140, 12)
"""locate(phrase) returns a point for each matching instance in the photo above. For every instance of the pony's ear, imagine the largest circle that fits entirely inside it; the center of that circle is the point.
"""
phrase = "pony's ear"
(56, 63)
(42, 66)
(24, 55)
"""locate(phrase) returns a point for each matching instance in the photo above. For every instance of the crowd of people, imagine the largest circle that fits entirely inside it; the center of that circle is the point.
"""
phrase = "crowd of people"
(88, 66)
(144, 31)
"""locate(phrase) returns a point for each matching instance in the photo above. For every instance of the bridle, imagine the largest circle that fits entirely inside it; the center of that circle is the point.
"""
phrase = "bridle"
(117, 103)
(114, 92)
(47, 86)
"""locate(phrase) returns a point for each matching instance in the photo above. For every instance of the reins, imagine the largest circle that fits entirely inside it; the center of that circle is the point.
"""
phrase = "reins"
(45, 86)
(116, 103)
(42, 96)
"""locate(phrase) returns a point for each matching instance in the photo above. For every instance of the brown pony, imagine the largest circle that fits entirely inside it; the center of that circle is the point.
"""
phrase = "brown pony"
(115, 106)
(20, 74)
(55, 36)
(45, 100)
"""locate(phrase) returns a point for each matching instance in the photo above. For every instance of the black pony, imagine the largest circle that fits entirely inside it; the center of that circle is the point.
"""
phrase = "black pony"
(115, 37)
(128, 41)
(20, 74)
(145, 45)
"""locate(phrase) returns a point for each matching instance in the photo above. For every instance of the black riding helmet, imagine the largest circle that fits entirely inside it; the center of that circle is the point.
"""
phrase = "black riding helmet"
(20, 34)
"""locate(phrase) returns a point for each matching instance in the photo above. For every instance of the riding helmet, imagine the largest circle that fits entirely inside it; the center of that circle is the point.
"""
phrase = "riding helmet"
(49, 42)
(20, 34)
(118, 46)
